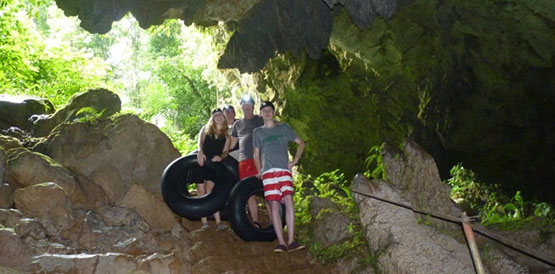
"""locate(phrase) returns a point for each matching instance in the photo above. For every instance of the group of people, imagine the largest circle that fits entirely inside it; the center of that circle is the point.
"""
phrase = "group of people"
(260, 144)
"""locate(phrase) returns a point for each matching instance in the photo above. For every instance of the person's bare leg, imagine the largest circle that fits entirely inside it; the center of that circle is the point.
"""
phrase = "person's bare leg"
(201, 190)
(275, 207)
(253, 208)
(209, 186)
(289, 218)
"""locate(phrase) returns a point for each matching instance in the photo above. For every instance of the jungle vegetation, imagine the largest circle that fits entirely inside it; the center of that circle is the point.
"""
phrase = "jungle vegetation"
(471, 81)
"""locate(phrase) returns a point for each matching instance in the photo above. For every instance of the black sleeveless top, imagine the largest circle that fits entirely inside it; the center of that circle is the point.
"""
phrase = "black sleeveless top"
(213, 146)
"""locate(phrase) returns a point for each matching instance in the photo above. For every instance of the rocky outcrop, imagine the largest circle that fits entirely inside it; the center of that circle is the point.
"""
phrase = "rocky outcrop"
(114, 153)
(330, 225)
(406, 246)
(48, 203)
(414, 172)
(46, 170)
(15, 111)
(89, 105)
(8, 142)
(14, 252)
(409, 242)
(265, 26)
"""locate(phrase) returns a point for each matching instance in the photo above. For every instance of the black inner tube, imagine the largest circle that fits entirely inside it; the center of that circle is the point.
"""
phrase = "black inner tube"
(176, 178)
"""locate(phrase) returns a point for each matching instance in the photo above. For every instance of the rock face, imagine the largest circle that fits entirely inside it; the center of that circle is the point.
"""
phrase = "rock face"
(117, 154)
(48, 203)
(14, 253)
(45, 170)
(265, 26)
(114, 153)
(405, 245)
(99, 102)
(414, 172)
(408, 242)
(330, 225)
(15, 111)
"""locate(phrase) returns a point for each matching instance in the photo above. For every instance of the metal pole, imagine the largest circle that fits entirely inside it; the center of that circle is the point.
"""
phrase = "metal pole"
(472, 244)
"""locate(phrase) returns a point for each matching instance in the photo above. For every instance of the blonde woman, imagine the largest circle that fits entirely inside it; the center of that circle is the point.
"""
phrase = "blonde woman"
(213, 146)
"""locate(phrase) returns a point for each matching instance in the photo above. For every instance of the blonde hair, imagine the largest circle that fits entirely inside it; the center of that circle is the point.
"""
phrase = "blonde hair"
(211, 128)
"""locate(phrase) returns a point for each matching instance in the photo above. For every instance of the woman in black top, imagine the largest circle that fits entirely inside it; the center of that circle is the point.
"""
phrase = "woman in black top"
(213, 145)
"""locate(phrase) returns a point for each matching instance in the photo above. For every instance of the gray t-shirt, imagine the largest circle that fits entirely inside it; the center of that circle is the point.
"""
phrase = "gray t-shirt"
(273, 143)
(243, 129)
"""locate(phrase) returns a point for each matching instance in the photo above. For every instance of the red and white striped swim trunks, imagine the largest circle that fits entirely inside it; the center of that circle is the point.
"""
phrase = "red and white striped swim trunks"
(277, 184)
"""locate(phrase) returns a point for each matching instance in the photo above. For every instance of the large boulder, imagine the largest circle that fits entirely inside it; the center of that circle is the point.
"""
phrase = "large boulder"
(48, 203)
(330, 225)
(87, 105)
(14, 252)
(405, 245)
(149, 206)
(414, 172)
(15, 111)
(114, 153)
(29, 168)
(117, 153)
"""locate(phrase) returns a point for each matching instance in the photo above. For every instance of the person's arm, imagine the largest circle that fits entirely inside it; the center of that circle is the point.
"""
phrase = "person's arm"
(225, 151)
(257, 163)
(233, 142)
(299, 152)
(200, 155)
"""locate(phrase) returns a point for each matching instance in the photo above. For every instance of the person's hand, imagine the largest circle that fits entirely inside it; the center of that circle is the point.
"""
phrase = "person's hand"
(290, 165)
(216, 158)
(259, 175)
(200, 159)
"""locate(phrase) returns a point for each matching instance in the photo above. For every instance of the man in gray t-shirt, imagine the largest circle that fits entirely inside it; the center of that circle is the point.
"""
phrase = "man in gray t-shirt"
(272, 162)
(242, 132)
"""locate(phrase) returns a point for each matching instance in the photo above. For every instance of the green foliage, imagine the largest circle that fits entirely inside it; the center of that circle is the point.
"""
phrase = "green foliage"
(30, 66)
(331, 185)
(493, 207)
(88, 115)
(374, 164)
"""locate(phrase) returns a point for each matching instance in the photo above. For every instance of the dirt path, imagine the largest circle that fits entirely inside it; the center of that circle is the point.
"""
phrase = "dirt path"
(224, 252)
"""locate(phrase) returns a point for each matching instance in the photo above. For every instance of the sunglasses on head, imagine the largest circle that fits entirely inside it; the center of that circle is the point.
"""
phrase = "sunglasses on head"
(216, 110)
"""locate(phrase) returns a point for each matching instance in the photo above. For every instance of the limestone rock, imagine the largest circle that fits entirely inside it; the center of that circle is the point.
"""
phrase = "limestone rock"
(10, 217)
(278, 26)
(14, 253)
(30, 168)
(84, 263)
(8, 142)
(114, 153)
(95, 235)
(265, 26)
(5, 195)
(539, 240)
(152, 208)
(104, 102)
(30, 228)
(330, 225)
(48, 203)
(15, 111)
(498, 262)
(407, 247)
(414, 172)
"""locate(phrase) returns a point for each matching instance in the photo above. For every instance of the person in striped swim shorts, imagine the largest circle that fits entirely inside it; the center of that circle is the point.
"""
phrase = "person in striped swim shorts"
(270, 152)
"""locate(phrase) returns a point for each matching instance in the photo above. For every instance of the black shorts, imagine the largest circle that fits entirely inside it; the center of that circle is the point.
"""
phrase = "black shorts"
(199, 174)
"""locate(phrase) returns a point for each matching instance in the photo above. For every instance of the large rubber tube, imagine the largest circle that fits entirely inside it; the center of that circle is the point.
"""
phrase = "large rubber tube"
(239, 220)
(174, 188)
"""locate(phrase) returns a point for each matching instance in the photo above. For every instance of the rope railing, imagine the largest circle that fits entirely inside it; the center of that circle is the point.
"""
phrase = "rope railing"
(479, 229)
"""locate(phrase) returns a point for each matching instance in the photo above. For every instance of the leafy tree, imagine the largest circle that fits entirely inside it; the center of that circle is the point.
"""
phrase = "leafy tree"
(29, 66)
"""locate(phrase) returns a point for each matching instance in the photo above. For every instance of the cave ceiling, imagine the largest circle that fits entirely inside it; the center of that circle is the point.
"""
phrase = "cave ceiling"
(263, 28)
